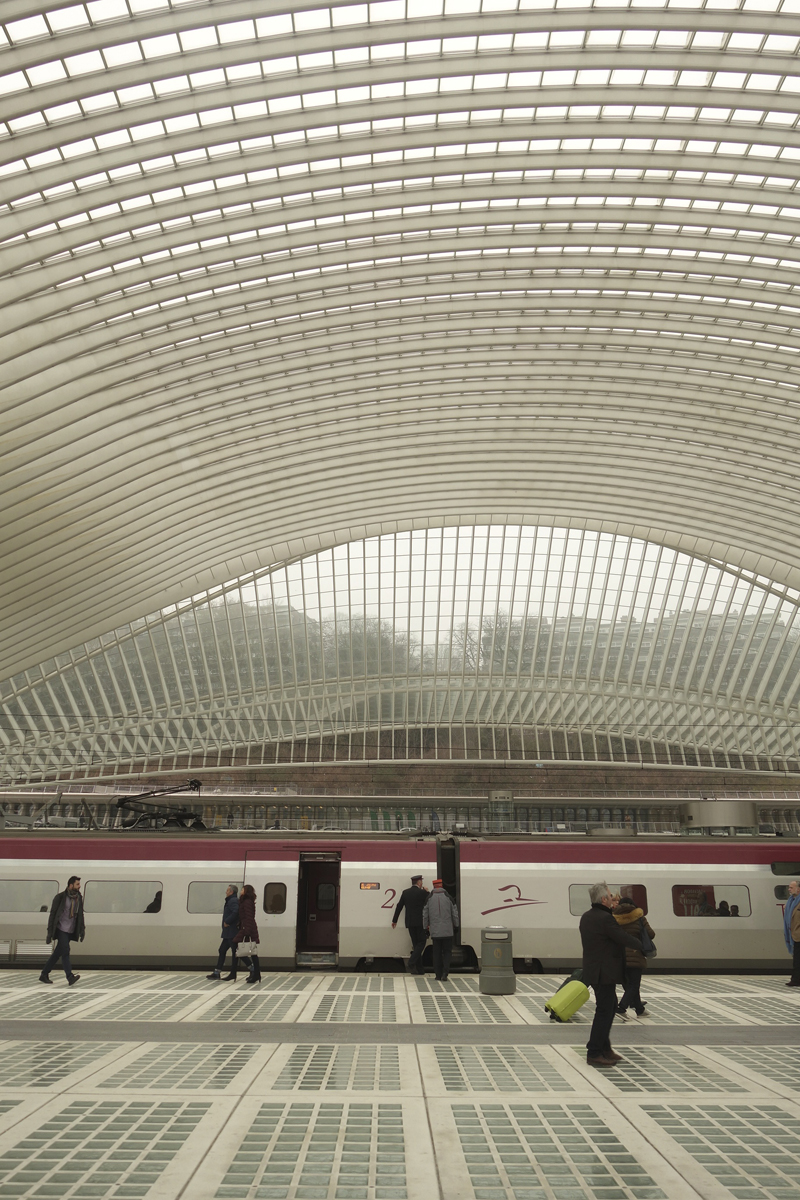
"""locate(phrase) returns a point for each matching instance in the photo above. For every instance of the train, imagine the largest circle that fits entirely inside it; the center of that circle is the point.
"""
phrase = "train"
(325, 900)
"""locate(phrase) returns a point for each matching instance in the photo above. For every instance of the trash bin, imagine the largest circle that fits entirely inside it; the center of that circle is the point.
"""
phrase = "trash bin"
(497, 962)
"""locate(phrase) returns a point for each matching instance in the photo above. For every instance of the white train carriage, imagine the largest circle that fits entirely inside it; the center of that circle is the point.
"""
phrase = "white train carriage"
(155, 900)
(539, 892)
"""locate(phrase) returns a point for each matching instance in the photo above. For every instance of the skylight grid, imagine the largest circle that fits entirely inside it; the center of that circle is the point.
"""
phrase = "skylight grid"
(117, 215)
(96, 13)
(471, 621)
(396, 229)
(328, 260)
(254, 111)
(195, 37)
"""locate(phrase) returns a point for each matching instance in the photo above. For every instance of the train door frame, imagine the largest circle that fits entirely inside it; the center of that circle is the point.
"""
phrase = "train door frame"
(308, 947)
(448, 869)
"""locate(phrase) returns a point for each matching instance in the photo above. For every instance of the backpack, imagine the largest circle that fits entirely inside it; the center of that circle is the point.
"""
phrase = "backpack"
(648, 945)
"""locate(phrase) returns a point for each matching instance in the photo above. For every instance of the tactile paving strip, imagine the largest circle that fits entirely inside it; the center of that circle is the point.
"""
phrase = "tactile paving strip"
(103, 1148)
(540, 985)
(677, 1010)
(107, 980)
(347, 1151)
(455, 983)
(751, 1149)
(360, 983)
(498, 1069)
(19, 979)
(547, 1152)
(666, 1069)
(708, 985)
(186, 983)
(341, 1068)
(198, 983)
(264, 1006)
(462, 1010)
(196, 1068)
(139, 1006)
(358, 1008)
(45, 1005)
(43, 1064)
(777, 1064)
(766, 1010)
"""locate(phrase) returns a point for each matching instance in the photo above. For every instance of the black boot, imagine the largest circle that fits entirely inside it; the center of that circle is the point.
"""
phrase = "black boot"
(228, 978)
(255, 971)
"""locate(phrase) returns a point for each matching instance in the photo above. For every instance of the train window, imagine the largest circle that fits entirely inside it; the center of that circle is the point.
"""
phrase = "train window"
(27, 895)
(711, 900)
(275, 898)
(122, 896)
(326, 897)
(579, 900)
(787, 868)
(208, 896)
(782, 891)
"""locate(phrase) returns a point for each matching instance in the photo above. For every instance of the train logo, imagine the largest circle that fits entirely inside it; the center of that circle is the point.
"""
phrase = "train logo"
(518, 901)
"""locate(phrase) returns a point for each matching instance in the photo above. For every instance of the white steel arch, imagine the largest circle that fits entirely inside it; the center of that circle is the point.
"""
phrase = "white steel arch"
(485, 642)
(276, 278)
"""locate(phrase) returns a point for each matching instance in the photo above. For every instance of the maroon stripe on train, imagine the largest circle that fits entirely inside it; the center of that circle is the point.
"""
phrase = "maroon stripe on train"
(76, 849)
(591, 850)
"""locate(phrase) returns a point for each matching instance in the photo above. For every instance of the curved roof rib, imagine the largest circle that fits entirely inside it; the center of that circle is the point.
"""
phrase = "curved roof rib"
(277, 279)
(454, 643)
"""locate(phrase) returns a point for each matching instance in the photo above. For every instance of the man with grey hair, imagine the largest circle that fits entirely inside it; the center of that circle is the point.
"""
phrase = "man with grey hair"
(604, 944)
(791, 930)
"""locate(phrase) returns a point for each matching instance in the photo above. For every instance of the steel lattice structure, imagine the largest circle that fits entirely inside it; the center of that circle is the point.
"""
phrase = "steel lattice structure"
(454, 643)
(280, 278)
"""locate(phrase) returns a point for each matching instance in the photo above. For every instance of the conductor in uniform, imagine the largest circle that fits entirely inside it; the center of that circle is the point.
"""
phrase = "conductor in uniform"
(413, 900)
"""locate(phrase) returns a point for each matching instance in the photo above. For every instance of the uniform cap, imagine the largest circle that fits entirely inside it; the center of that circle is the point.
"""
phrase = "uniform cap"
(415, 878)
(437, 883)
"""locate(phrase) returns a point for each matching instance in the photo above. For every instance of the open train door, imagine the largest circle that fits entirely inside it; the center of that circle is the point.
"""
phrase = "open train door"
(318, 895)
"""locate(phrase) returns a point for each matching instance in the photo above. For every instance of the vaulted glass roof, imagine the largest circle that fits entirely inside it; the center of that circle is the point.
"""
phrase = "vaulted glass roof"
(481, 642)
(277, 278)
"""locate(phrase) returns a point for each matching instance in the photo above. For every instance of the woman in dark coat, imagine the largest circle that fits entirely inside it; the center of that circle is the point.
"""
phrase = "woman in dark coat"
(633, 919)
(248, 931)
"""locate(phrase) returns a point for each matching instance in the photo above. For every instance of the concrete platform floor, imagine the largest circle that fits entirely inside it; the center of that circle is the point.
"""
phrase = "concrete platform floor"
(386, 1087)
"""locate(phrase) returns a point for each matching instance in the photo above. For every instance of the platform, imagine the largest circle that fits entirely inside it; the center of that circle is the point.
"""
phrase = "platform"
(386, 1087)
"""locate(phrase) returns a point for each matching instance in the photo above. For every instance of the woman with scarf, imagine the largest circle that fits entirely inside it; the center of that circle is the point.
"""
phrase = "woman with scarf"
(633, 920)
(247, 937)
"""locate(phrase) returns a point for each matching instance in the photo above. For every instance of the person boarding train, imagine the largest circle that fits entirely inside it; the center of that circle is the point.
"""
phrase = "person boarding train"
(440, 918)
(413, 900)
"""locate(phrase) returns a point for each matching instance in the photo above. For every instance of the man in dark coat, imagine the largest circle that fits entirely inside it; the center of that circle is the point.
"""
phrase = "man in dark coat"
(230, 927)
(413, 900)
(65, 925)
(604, 945)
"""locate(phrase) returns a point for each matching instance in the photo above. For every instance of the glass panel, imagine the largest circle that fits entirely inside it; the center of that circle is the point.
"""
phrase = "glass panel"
(326, 897)
(711, 900)
(782, 891)
(208, 896)
(137, 896)
(579, 900)
(787, 868)
(27, 895)
(275, 898)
